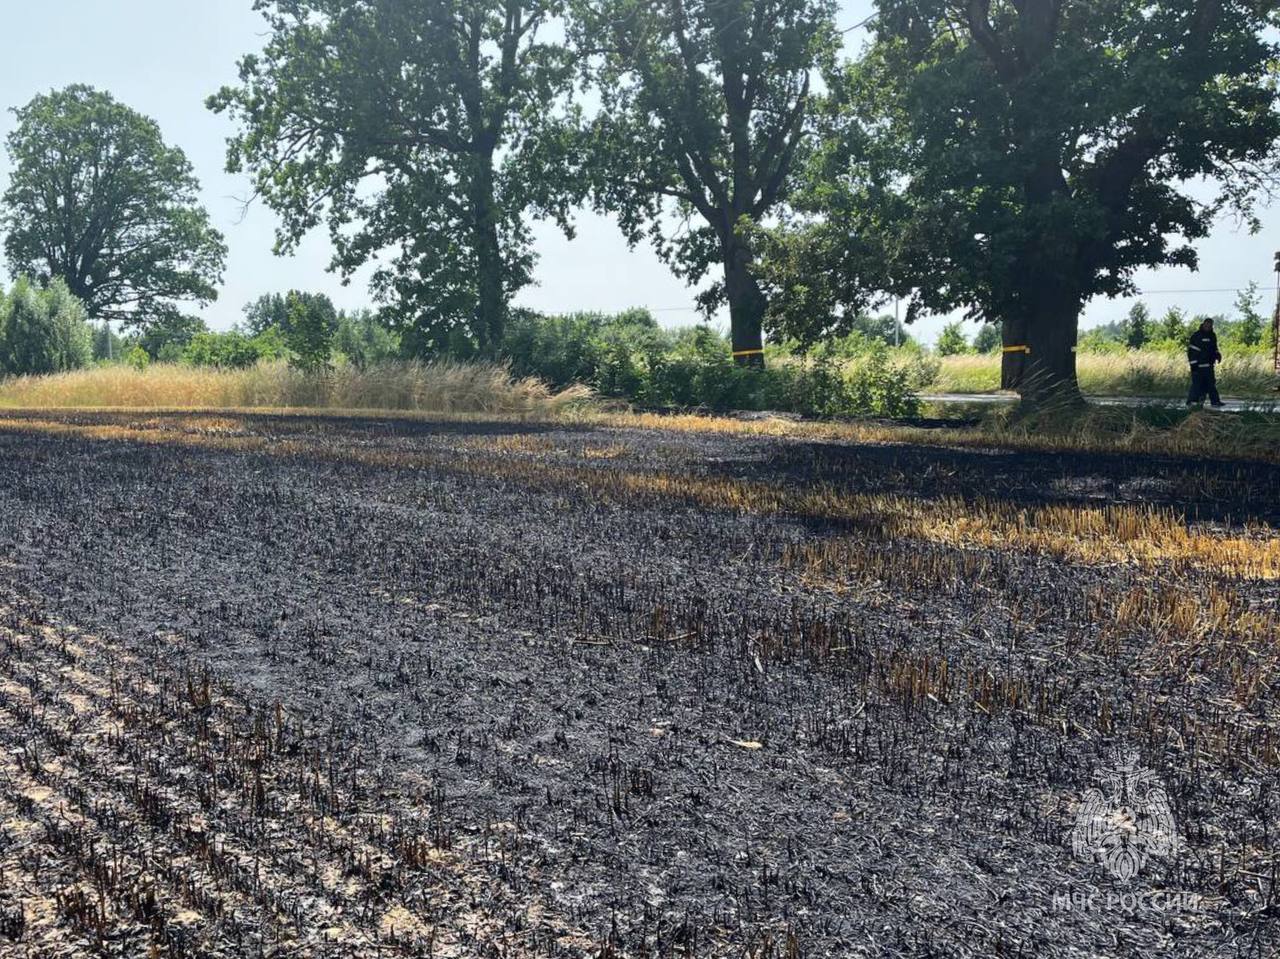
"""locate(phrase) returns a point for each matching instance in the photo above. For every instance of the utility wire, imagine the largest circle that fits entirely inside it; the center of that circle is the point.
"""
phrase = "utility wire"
(859, 26)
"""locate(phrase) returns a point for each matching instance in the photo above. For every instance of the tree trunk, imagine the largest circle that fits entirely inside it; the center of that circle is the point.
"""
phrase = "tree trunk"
(1040, 352)
(747, 305)
(491, 304)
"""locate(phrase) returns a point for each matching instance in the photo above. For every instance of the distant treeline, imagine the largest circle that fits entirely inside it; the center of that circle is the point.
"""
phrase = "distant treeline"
(1246, 331)
(1009, 161)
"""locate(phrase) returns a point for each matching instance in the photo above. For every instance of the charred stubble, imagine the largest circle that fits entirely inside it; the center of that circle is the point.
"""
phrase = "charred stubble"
(297, 685)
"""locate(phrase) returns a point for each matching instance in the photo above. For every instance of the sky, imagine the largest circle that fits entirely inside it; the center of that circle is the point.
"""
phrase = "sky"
(163, 58)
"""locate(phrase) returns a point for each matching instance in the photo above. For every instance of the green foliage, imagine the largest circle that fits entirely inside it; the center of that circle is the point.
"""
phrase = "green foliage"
(1017, 160)
(234, 349)
(952, 341)
(136, 357)
(612, 354)
(1174, 327)
(166, 338)
(107, 344)
(558, 349)
(629, 356)
(364, 340)
(308, 336)
(628, 349)
(1249, 329)
(43, 330)
(704, 107)
(697, 370)
(231, 350)
(988, 339)
(97, 200)
(880, 387)
(1101, 339)
(267, 311)
(429, 129)
(884, 327)
(270, 344)
(1137, 327)
(275, 309)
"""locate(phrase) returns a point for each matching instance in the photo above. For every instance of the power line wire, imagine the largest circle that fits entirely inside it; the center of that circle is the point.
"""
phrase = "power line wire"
(859, 26)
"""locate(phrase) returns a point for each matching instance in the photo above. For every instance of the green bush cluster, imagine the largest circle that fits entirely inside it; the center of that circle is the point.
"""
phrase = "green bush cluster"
(630, 356)
(363, 340)
(1247, 332)
(300, 327)
(234, 349)
(43, 330)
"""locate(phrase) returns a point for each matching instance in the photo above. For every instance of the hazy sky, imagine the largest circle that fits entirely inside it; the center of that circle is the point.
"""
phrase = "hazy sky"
(163, 58)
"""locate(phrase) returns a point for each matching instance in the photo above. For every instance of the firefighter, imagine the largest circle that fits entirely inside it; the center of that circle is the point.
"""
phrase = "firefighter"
(1202, 354)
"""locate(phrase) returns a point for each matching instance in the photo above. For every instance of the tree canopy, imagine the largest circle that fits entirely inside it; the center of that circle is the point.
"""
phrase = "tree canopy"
(97, 200)
(427, 128)
(309, 336)
(1016, 160)
(703, 112)
(280, 311)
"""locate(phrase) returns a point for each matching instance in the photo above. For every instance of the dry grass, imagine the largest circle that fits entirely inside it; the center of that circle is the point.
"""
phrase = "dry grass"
(458, 389)
(1096, 430)
(438, 387)
(1138, 373)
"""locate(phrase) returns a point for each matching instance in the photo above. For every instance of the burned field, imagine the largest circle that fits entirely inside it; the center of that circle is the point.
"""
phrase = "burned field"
(303, 686)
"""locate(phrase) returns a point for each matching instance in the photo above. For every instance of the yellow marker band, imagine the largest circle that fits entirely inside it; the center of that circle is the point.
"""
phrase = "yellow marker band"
(737, 353)
(1018, 349)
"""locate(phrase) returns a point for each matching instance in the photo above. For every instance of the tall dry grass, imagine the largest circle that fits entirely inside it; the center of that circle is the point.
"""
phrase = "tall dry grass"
(437, 387)
(1137, 373)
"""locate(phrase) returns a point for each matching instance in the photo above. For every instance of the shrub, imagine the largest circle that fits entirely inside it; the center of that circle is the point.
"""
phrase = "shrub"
(1137, 327)
(629, 356)
(233, 349)
(167, 337)
(875, 385)
(43, 331)
(230, 350)
(309, 337)
(363, 341)
(1173, 328)
(989, 339)
(1100, 341)
(136, 357)
(613, 354)
(952, 342)
(698, 370)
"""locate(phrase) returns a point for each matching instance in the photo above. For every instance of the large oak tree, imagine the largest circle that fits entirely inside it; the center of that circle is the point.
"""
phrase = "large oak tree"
(703, 111)
(1016, 158)
(423, 128)
(99, 201)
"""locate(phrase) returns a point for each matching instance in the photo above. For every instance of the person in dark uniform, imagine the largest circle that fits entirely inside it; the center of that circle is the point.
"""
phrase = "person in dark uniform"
(1202, 354)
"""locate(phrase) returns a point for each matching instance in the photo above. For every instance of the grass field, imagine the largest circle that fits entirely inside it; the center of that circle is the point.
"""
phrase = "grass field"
(470, 390)
(438, 387)
(388, 684)
(1144, 373)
